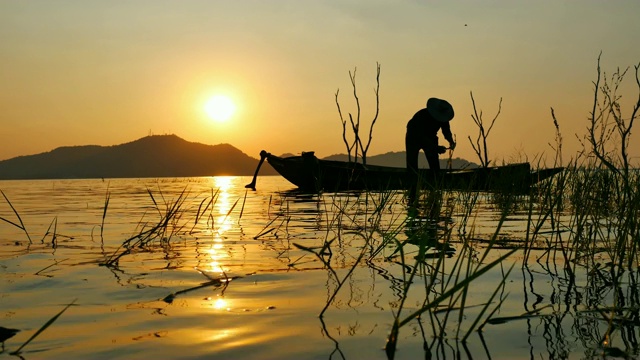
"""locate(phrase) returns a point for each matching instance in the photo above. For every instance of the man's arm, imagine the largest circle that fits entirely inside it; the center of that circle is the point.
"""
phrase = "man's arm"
(446, 131)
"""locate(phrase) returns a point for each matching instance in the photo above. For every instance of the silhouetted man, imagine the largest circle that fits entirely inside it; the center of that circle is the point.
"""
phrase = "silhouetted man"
(422, 134)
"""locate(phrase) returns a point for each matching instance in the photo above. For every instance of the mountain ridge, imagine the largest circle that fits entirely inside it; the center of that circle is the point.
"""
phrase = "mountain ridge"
(150, 156)
(158, 156)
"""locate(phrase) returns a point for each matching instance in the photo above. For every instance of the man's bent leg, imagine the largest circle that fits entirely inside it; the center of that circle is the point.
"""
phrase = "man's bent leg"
(432, 159)
(412, 150)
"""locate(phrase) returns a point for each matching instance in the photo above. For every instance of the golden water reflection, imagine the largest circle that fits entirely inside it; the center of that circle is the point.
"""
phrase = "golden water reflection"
(223, 222)
(221, 304)
(224, 183)
(267, 304)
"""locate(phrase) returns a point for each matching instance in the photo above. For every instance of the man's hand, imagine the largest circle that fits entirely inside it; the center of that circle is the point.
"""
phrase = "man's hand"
(452, 145)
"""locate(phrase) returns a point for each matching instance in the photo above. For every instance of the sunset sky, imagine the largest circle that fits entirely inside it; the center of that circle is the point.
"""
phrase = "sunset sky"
(90, 72)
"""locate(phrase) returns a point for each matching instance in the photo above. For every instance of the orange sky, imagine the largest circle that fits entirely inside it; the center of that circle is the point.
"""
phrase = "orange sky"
(105, 73)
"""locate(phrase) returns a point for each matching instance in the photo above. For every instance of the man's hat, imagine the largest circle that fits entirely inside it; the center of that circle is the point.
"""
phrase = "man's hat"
(440, 109)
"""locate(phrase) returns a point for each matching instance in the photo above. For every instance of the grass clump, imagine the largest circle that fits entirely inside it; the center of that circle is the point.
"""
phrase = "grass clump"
(173, 218)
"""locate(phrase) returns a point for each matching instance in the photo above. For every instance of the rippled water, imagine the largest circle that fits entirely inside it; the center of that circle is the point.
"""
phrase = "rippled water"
(229, 280)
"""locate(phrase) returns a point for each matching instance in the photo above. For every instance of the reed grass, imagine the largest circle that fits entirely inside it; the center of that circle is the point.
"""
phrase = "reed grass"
(54, 234)
(173, 219)
(20, 225)
(168, 224)
(582, 225)
(365, 217)
(592, 211)
(107, 198)
(56, 262)
(42, 328)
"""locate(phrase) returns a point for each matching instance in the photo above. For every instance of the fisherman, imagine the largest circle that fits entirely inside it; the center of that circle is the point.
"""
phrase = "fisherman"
(422, 134)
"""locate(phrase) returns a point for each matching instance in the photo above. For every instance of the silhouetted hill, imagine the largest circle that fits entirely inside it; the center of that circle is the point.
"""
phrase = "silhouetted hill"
(151, 156)
(159, 156)
(398, 159)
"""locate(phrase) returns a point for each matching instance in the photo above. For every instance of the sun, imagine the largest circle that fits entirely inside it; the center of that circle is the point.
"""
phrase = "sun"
(220, 108)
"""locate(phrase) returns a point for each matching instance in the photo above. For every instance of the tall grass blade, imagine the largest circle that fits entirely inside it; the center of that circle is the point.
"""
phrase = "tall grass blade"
(201, 212)
(43, 328)
(244, 200)
(504, 319)
(154, 201)
(230, 210)
(21, 226)
(457, 287)
(50, 266)
(53, 222)
(107, 197)
(392, 341)
(486, 306)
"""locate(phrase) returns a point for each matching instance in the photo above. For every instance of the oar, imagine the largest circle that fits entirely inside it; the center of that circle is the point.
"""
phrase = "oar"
(252, 185)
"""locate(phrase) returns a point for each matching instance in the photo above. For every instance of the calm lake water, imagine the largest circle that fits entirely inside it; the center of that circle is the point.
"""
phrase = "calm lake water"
(236, 279)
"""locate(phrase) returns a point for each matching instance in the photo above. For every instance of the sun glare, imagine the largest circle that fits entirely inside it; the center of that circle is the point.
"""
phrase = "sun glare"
(220, 108)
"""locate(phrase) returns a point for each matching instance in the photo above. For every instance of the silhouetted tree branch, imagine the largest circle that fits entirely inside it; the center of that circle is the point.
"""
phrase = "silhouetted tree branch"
(355, 124)
(344, 128)
(483, 133)
(375, 117)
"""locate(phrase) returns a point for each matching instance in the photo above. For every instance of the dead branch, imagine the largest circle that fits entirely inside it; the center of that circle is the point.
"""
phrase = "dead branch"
(481, 149)
(375, 117)
(344, 127)
(355, 124)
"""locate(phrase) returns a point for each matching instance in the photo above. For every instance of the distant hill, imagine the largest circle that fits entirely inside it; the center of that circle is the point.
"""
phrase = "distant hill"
(151, 156)
(398, 159)
(160, 156)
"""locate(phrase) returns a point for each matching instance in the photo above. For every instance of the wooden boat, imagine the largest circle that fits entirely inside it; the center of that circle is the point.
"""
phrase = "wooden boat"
(311, 174)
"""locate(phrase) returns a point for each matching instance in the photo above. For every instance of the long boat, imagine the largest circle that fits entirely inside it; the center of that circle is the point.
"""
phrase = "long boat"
(311, 174)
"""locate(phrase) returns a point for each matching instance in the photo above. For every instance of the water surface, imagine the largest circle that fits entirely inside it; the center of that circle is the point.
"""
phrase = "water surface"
(233, 282)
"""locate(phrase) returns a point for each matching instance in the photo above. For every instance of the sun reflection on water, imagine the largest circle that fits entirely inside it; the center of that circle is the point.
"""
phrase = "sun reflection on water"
(223, 203)
(215, 266)
(222, 334)
(223, 182)
(215, 255)
(220, 304)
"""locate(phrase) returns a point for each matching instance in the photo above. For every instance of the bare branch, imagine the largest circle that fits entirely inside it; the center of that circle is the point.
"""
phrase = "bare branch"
(356, 127)
(356, 130)
(344, 126)
(495, 117)
(355, 123)
(481, 150)
(375, 117)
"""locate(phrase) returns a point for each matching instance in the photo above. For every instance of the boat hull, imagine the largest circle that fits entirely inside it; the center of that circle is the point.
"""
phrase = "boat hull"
(309, 173)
